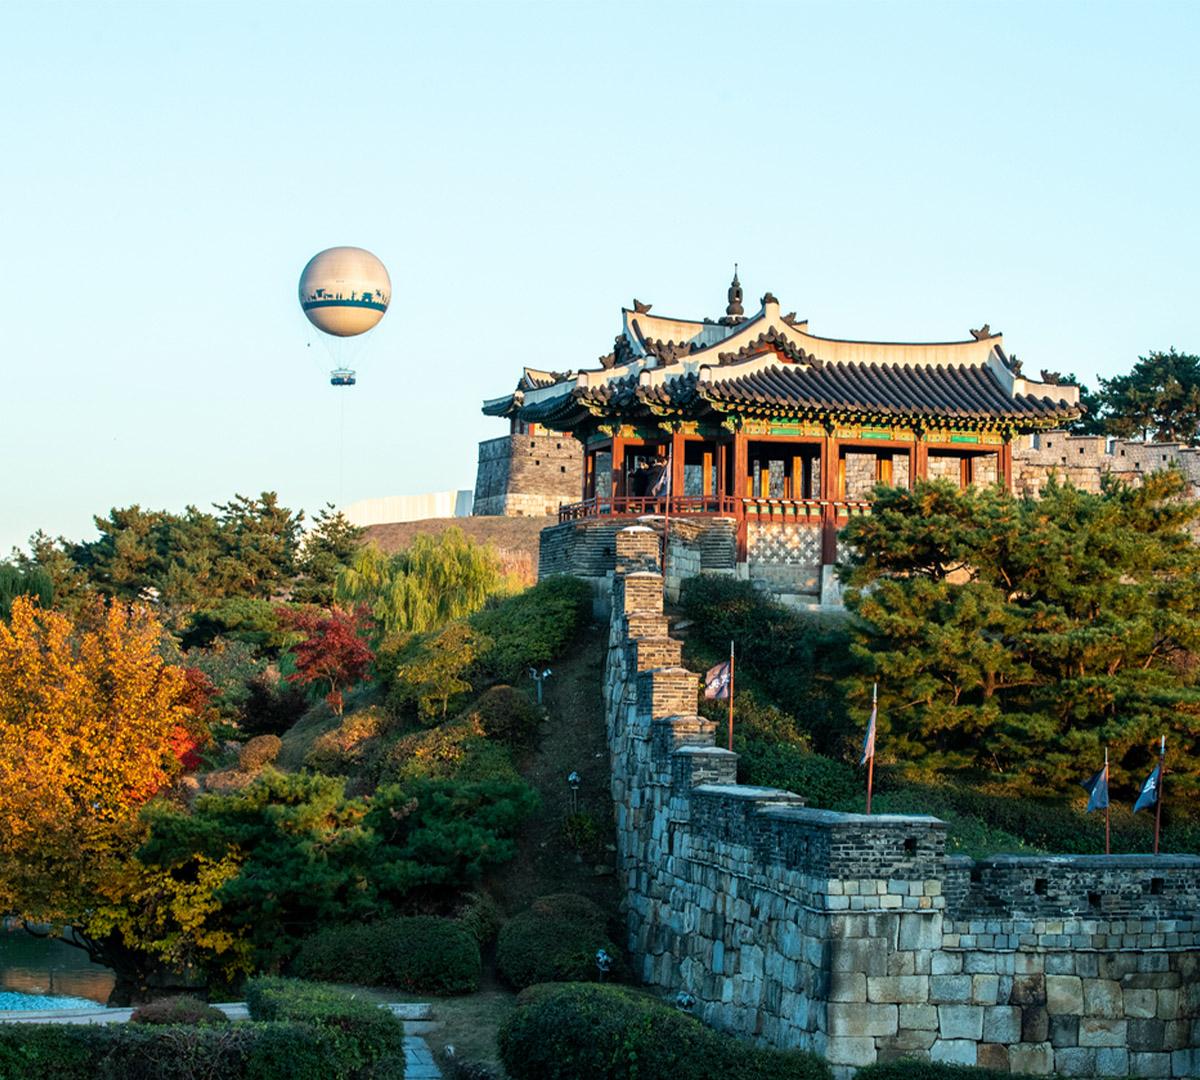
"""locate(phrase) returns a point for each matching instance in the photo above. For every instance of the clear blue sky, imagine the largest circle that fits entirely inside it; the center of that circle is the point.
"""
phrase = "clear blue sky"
(888, 170)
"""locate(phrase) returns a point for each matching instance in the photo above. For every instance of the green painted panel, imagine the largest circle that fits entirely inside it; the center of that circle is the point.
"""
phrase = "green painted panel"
(876, 434)
(964, 438)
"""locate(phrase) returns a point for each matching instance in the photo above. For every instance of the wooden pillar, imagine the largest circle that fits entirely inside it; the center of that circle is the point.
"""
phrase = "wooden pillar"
(740, 470)
(829, 494)
(921, 458)
(706, 476)
(618, 471)
(678, 459)
(1006, 464)
(964, 472)
(589, 471)
(912, 465)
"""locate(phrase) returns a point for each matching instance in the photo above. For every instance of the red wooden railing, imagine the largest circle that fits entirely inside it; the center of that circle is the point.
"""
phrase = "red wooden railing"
(780, 510)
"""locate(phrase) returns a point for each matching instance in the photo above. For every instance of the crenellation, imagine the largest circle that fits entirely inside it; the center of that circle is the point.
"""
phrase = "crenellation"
(857, 936)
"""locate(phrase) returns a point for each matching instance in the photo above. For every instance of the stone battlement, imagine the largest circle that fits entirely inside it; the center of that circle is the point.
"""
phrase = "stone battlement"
(857, 936)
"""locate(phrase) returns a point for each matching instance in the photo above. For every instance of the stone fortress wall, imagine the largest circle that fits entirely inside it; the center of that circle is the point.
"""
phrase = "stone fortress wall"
(858, 937)
(1085, 459)
(527, 475)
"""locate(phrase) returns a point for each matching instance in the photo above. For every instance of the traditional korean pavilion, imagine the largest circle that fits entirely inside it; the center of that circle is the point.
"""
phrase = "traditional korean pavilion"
(779, 432)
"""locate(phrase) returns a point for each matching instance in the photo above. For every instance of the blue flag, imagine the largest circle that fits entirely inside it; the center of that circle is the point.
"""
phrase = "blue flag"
(1097, 789)
(869, 741)
(1149, 793)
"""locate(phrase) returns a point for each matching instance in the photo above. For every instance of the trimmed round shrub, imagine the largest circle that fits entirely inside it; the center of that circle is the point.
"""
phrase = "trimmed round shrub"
(556, 940)
(508, 715)
(420, 954)
(184, 1009)
(259, 752)
(612, 1033)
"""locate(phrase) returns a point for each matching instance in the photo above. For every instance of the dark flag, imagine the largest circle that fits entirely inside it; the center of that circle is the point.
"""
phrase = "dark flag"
(1097, 789)
(868, 752)
(1150, 789)
(716, 682)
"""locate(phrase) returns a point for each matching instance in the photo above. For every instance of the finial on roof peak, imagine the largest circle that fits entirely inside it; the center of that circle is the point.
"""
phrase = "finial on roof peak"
(641, 308)
(734, 312)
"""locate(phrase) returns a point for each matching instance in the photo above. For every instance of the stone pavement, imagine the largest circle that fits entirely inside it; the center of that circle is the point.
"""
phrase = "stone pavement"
(419, 1063)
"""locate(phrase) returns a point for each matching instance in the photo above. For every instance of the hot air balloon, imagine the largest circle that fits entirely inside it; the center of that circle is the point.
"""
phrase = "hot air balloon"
(344, 292)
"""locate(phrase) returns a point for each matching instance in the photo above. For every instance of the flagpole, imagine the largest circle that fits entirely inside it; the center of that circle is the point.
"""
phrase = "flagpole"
(731, 694)
(1107, 831)
(871, 759)
(1162, 772)
(667, 514)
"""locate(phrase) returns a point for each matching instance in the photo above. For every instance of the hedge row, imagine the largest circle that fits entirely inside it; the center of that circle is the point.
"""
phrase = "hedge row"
(556, 940)
(611, 1033)
(421, 954)
(914, 1069)
(300, 1032)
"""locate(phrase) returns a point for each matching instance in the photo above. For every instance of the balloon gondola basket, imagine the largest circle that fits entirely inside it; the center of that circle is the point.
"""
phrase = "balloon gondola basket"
(342, 377)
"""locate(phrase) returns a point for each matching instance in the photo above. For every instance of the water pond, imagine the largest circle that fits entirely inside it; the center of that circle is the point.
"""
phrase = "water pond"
(43, 968)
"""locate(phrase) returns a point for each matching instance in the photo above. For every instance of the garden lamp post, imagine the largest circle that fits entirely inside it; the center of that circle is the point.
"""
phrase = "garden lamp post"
(539, 675)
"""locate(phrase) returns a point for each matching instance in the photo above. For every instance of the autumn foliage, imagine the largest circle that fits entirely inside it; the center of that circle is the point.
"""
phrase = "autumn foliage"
(332, 652)
(93, 722)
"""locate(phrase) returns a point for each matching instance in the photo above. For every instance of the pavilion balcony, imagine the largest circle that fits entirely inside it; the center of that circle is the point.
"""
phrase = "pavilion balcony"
(764, 510)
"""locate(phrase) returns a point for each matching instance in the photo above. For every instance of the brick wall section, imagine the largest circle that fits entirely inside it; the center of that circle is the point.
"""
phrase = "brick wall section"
(858, 937)
(527, 475)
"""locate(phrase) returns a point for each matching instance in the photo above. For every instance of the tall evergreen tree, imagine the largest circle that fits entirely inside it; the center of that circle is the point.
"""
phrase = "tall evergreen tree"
(1011, 637)
(1159, 399)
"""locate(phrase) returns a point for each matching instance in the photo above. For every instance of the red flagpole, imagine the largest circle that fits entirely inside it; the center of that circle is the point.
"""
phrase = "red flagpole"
(1107, 831)
(871, 759)
(667, 514)
(1162, 773)
(731, 695)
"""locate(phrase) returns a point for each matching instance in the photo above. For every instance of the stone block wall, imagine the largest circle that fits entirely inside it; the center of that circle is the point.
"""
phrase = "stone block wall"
(857, 937)
(527, 475)
(1085, 459)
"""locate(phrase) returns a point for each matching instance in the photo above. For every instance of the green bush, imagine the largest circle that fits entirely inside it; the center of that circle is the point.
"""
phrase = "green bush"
(798, 659)
(184, 1009)
(508, 715)
(357, 1034)
(245, 1051)
(822, 781)
(915, 1069)
(419, 954)
(481, 917)
(533, 627)
(47, 1052)
(556, 940)
(611, 1033)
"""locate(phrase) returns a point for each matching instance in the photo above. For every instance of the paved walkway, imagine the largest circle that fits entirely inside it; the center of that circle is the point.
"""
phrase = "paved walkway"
(419, 1063)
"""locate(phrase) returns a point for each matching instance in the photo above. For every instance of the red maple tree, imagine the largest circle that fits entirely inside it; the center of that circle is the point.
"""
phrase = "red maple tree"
(331, 652)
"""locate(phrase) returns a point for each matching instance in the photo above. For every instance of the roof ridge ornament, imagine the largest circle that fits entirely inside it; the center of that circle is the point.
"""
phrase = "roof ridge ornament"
(734, 312)
(983, 333)
(641, 309)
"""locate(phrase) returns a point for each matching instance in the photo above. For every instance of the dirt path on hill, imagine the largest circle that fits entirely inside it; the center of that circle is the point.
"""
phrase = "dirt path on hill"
(573, 739)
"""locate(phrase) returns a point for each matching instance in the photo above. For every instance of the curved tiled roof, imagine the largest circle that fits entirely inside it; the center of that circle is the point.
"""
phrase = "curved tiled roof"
(964, 390)
(771, 364)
